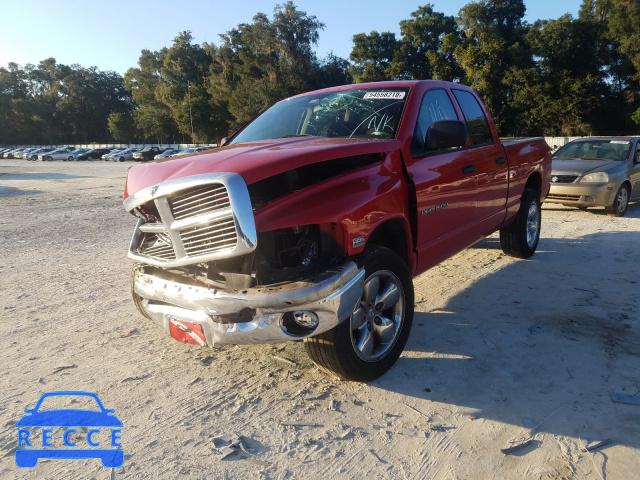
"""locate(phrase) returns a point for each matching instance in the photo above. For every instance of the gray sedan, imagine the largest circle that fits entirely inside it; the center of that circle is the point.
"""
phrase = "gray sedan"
(597, 172)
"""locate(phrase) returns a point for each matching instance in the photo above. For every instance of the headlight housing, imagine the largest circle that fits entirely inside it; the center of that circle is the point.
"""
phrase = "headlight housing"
(596, 177)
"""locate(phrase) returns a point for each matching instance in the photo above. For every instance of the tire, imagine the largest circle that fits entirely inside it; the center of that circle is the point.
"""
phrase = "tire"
(137, 300)
(70, 158)
(620, 202)
(520, 239)
(89, 158)
(368, 343)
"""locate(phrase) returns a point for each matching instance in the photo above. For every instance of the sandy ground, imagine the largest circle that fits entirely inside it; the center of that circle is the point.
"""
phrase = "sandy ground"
(499, 346)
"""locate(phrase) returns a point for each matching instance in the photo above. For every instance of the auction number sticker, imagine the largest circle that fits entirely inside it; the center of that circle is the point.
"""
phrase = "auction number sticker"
(624, 142)
(385, 95)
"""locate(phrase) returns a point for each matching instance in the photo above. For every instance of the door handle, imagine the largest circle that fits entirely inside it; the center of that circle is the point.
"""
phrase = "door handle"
(501, 160)
(468, 169)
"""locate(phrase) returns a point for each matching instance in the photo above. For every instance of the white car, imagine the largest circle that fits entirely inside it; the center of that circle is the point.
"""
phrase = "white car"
(107, 156)
(58, 154)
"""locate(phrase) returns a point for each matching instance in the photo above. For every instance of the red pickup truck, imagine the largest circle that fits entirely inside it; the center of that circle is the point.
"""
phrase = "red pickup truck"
(311, 220)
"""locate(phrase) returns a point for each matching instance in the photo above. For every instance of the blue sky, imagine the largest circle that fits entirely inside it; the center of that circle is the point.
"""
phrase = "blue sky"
(109, 34)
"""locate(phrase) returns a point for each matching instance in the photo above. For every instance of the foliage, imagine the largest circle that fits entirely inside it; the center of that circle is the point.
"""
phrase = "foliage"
(58, 104)
(567, 76)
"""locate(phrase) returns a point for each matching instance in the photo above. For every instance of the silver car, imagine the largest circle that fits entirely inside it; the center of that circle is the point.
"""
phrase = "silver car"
(597, 172)
(124, 155)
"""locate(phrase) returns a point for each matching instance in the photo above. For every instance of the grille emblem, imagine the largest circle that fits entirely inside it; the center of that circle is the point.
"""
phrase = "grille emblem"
(554, 179)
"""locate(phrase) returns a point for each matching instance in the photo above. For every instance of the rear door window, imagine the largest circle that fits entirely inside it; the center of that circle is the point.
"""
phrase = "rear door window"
(473, 114)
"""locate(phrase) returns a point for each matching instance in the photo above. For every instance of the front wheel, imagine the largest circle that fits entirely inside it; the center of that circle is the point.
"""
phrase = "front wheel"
(368, 343)
(520, 239)
(620, 203)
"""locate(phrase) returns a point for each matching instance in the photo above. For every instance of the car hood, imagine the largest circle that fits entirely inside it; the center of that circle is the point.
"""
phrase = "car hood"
(253, 160)
(581, 167)
(69, 418)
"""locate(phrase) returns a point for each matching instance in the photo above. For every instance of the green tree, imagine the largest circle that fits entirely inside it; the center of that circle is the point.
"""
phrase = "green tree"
(262, 62)
(426, 49)
(563, 93)
(372, 56)
(152, 118)
(493, 51)
(122, 127)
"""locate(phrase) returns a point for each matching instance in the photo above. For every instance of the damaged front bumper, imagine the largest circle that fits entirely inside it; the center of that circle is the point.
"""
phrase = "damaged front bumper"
(209, 316)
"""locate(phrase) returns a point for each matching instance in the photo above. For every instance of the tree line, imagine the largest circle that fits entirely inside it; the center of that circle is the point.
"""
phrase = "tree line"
(562, 77)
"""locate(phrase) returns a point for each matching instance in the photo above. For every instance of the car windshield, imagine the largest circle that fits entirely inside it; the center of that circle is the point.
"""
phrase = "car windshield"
(356, 113)
(617, 150)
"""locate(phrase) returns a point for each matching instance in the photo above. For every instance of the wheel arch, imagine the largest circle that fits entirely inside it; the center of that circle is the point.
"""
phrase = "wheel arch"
(393, 235)
(534, 182)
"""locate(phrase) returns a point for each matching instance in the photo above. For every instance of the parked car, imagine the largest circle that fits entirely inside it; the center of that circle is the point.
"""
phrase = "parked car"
(147, 153)
(107, 156)
(15, 153)
(93, 154)
(311, 221)
(597, 172)
(33, 155)
(191, 151)
(167, 153)
(58, 154)
(77, 152)
(26, 153)
(125, 155)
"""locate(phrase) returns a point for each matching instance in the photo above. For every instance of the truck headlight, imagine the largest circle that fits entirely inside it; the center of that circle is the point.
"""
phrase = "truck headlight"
(597, 177)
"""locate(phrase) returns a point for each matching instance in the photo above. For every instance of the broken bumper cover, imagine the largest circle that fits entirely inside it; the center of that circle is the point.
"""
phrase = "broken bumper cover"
(253, 315)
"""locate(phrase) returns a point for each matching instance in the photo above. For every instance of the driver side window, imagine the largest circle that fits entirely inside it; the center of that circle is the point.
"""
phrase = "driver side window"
(435, 106)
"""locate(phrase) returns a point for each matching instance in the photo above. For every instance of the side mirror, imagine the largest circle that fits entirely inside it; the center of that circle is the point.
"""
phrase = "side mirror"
(446, 134)
(224, 141)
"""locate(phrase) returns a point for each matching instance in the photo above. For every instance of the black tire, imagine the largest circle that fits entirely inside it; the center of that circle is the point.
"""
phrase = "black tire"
(89, 158)
(137, 300)
(620, 202)
(368, 343)
(520, 239)
(70, 158)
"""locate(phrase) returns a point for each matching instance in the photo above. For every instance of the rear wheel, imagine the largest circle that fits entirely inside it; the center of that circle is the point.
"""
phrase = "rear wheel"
(520, 239)
(70, 158)
(368, 343)
(620, 203)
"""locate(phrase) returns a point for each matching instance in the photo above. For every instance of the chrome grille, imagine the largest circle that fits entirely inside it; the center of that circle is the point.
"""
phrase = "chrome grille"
(563, 178)
(209, 238)
(199, 219)
(159, 246)
(199, 201)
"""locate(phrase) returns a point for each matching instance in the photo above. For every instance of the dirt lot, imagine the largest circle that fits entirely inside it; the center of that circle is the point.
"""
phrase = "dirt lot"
(499, 346)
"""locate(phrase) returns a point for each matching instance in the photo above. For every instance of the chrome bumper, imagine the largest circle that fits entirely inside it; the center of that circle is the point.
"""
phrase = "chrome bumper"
(253, 315)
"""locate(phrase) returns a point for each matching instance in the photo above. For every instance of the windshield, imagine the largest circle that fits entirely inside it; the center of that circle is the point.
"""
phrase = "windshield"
(358, 113)
(594, 150)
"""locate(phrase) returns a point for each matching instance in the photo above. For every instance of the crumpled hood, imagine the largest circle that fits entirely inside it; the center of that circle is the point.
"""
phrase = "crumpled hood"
(581, 167)
(254, 160)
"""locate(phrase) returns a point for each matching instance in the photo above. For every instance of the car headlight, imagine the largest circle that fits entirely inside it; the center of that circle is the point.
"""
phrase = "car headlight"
(597, 177)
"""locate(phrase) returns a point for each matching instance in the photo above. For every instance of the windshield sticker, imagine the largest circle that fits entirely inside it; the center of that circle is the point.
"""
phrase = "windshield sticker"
(385, 95)
(623, 142)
